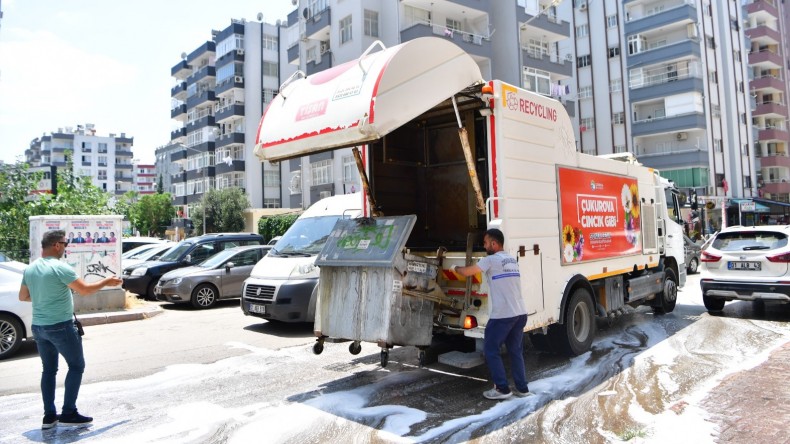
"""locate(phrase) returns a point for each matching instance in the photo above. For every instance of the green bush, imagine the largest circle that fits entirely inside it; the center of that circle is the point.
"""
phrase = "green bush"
(270, 227)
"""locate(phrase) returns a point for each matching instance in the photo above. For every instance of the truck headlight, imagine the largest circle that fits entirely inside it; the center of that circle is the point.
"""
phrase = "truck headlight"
(139, 271)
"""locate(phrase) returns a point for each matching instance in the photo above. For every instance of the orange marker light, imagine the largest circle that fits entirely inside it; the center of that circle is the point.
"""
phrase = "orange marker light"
(470, 322)
(487, 89)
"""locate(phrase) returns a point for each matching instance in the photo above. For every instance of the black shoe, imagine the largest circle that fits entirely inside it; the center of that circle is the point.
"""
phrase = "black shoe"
(49, 421)
(74, 419)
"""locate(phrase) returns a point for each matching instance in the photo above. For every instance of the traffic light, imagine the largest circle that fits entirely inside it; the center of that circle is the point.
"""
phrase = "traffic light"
(693, 198)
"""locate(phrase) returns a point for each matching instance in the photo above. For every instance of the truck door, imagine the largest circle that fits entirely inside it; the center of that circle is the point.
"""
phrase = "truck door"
(531, 268)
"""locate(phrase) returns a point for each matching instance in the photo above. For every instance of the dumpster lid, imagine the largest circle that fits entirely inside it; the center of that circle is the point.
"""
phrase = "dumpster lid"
(369, 242)
(363, 100)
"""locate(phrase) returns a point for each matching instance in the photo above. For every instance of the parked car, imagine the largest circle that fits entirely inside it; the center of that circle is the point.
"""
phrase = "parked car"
(746, 263)
(692, 250)
(150, 252)
(16, 317)
(129, 243)
(219, 277)
(142, 278)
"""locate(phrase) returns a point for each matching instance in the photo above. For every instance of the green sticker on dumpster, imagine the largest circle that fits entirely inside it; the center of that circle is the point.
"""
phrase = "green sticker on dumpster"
(366, 241)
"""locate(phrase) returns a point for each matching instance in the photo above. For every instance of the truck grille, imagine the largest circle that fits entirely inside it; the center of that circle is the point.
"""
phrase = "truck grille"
(259, 293)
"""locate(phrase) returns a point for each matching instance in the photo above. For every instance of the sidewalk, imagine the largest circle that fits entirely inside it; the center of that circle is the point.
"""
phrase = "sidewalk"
(143, 311)
(753, 406)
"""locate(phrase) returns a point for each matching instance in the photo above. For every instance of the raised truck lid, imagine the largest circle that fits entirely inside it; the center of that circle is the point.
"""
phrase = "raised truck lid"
(363, 100)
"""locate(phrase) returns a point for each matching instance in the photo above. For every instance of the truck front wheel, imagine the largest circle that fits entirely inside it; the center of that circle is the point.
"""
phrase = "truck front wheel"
(666, 300)
(575, 336)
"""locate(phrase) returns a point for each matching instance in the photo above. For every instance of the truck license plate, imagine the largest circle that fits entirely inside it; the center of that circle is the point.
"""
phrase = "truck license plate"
(751, 266)
(255, 308)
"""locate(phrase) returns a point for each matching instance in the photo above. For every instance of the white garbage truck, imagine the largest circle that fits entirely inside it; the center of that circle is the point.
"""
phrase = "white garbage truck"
(444, 155)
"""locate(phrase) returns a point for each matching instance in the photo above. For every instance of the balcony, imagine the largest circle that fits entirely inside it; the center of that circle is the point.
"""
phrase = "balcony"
(235, 55)
(669, 124)
(178, 111)
(176, 134)
(474, 44)
(779, 186)
(179, 91)
(235, 166)
(181, 70)
(771, 110)
(674, 157)
(763, 35)
(229, 83)
(200, 123)
(766, 59)
(550, 26)
(772, 135)
(775, 160)
(200, 173)
(228, 111)
(202, 53)
(202, 73)
(293, 53)
(762, 8)
(318, 24)
(123, 152)
(179, 177)
(229, 139)
(675, 50)
(205, 147)
(325, 62)
(123, 166)
(767, 84)
(547, 62)
(86, 163)
(652, 87)
(677, 16)
(175, 156)
(123, 179)
(203, 98)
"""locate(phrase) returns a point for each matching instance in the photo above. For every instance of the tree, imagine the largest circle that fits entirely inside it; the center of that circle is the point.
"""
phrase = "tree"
(160, 186)
(152, 214)
(224, 211)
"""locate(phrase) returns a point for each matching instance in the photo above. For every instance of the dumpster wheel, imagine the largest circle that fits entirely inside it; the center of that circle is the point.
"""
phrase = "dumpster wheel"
(354, 348)
(318, 347)
(385, 357)
(421, 357)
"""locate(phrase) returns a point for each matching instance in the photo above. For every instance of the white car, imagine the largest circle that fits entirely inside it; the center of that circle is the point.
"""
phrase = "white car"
(746, 263)
(16, 317)
(150, 252)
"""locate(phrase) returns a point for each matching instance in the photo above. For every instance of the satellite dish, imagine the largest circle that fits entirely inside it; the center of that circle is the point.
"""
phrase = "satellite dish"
(305, 13)
(293, 2)
(183, 56)
(260, 16)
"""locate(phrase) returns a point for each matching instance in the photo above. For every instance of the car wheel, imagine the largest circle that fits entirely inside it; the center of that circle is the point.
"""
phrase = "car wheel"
(149, 292)
(11, 334)
(666, 300)
(693, 265)
(713, 304)
(204, 296)
(575, 336)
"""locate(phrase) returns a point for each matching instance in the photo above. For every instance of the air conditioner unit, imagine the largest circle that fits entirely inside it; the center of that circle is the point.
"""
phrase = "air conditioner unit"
(324, 47)
(238, 79)
(240, 51)
(568, 57)
(682, 136)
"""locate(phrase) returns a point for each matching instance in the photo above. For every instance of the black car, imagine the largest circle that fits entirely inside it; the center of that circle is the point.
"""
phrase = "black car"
(142, 278)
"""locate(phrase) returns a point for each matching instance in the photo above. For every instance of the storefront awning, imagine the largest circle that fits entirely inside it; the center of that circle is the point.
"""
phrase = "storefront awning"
(770, 202)
(758, 208)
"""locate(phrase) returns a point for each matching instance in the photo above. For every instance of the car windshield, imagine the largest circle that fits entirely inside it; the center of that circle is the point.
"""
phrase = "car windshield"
(746, 241)
(306, 237)
(217, 259)
(139, 252)
(176, 252)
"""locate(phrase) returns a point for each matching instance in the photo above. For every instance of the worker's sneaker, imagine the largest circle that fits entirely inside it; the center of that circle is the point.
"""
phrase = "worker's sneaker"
(50, 420)
(495, 393)
(521, 394)
(74, 419)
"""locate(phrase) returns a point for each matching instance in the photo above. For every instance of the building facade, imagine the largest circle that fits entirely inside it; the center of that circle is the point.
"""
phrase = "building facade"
(107, 160)
(144, 178)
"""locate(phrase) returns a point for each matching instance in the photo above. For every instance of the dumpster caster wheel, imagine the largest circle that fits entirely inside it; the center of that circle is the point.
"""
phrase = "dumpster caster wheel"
(385, 357)
(354, 348)
(318, 347)
(421, 358)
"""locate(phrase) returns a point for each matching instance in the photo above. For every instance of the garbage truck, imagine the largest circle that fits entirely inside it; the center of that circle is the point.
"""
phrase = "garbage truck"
(443, 155)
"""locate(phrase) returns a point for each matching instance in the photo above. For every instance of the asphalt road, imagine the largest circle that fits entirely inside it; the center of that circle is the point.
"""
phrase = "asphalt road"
(218, 376)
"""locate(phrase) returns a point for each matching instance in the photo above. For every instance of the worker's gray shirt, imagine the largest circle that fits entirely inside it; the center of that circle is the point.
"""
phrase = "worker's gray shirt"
(504, 282)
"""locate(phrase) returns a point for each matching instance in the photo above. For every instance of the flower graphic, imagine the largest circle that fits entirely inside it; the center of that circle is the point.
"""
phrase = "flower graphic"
(626, 197)
(572, 243)
(567, 253)
(568, 235)
(634, 201)
(630, 199)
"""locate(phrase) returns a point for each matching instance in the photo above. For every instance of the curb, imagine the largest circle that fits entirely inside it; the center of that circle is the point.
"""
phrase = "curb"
(136, 314)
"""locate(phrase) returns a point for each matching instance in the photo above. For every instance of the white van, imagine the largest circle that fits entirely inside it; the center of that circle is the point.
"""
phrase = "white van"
(283, 285)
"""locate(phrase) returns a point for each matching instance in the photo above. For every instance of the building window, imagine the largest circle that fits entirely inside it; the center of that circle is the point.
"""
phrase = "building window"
(615, 85)
(102, 147)
(371, 25)
(740, 86)
(719, 180)
(583, 61)
(586, 124)
(611, 21)
(270, 42)
(268, 95)
(585, 92)
(717, 145)
(582, 31)
(271, 203)
(713, 77)
(747, 181)
(745, 149)
(270, 69)
(345, 29)
(715, 110)
(736, 55)
(103, 161)
(743, 118)
(619, 148)
(614, 51)
(537, 81)
(350, 174)
(711, 42)
(102, 175)
(321, 172)
(271, 178)
(452, 24)
(618, 118)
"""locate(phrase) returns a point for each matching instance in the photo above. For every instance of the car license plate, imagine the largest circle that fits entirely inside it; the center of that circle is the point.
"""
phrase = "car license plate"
(255, 308)
(752, 266)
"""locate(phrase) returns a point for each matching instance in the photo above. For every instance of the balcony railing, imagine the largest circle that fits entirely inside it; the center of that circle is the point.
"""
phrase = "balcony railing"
(663, 75)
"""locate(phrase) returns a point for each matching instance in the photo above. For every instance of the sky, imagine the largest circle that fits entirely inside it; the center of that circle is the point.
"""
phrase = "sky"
(67, 63)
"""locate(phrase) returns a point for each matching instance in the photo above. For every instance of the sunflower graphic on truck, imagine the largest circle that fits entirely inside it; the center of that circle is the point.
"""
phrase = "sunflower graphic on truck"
(599, 215)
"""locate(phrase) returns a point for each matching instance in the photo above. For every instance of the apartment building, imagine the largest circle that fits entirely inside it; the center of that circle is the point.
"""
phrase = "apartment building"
(144, 178)
(220, 91)
(107, 160)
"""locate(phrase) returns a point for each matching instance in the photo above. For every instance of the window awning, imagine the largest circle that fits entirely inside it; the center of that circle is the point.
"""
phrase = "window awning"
(758, 208)
(770, 202)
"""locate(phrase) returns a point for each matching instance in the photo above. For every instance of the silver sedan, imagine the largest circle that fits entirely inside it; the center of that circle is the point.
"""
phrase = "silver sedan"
(221, 276)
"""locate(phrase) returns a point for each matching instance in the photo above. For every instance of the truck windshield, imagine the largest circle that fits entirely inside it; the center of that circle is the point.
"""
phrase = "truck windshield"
(305, 237)
(176, 252)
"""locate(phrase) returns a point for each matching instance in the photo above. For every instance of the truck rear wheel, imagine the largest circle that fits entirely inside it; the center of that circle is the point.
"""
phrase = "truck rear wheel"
(666, 300)
(575, 336)
(713, 304)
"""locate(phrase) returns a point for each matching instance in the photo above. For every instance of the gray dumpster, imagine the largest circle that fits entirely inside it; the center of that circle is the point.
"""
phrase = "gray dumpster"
(370, 289)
